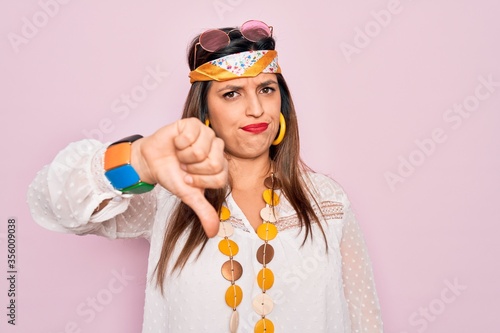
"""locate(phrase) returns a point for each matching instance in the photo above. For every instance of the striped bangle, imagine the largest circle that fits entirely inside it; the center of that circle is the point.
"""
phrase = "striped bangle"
(118, 169)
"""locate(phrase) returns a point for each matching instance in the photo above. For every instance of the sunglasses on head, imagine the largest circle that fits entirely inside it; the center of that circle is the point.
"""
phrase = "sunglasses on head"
(215, 39)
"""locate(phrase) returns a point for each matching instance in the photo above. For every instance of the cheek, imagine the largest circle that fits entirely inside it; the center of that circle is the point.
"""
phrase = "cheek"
(222, 126)
(275, 103)
(276, 109)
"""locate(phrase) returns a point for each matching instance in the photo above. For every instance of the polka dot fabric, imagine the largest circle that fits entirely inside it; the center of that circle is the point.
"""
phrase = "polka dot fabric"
(315, 290)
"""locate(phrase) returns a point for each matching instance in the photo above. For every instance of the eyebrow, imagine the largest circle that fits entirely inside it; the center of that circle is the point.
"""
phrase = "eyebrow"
(267, 83)
(236, 88)
(229, 87)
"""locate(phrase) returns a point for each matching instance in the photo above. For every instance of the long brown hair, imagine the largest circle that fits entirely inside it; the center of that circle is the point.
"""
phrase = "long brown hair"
(286, 160)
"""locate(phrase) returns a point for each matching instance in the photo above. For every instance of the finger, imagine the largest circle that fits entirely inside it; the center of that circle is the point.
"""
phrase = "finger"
(196, 153)
(199, 150)
(207, 168)
(212, 181)
(205, 211)
(188, 132)
(214, 164)
(193, 197)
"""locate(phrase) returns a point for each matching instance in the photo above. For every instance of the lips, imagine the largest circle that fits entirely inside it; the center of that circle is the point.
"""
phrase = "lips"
(255, 128)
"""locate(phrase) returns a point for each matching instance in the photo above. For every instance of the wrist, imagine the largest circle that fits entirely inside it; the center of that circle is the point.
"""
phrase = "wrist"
(138, 162)
(119, 169)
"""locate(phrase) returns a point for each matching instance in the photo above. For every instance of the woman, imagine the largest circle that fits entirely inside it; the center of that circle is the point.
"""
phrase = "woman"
(244, 237)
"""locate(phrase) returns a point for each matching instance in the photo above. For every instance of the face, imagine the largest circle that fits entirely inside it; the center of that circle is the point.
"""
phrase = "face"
(245, 114)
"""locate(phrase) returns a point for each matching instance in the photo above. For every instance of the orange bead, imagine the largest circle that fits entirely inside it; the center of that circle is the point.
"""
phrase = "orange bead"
(265, 279)
(228, 247)
(116, 155)
(270, 197)
(234, 295)
(267, 231)
(264, 326)
(224, 213)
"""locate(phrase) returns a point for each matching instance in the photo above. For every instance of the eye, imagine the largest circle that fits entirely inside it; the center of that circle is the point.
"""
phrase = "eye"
(267, 90)
(230, 95)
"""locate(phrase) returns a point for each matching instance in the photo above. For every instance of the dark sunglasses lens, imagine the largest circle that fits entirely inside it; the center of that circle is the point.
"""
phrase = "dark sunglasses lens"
(255, 30)
(213, 40)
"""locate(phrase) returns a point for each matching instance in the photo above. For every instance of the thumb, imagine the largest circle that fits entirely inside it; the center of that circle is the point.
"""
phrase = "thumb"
(205, 211)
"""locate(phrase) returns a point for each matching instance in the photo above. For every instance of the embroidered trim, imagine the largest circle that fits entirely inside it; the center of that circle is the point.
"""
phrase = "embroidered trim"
(329, 210)
(238, 223)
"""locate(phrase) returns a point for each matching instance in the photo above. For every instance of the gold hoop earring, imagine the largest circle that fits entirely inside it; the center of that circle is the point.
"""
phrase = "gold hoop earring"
(282, 131)
(207, 122)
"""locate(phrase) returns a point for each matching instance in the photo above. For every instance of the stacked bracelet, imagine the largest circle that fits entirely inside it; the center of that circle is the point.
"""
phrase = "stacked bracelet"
(118, 169)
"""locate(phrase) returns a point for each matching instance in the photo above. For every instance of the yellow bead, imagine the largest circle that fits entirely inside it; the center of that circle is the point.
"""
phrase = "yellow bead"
(264, 326)
(224, 213)
(267, 231)
(234, 295)
(265, 279)
(271, 198)
(228, 247)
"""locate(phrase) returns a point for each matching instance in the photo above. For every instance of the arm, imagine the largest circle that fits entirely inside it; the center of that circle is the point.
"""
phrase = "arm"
(359, 284)
(65, 195)
(73, 195)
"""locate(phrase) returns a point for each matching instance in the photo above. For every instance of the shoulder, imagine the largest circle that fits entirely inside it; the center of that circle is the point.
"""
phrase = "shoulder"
(324, 188)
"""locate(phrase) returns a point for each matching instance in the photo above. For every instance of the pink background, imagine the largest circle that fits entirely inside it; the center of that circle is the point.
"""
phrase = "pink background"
(375, 84)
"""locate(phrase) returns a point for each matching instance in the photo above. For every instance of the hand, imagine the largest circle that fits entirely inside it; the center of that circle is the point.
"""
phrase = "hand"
(186, 158)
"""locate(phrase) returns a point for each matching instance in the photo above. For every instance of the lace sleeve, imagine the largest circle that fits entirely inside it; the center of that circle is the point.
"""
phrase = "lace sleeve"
(359, 285)
(64, 195)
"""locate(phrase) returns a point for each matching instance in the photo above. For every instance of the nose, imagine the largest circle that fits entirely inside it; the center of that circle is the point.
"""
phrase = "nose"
(254, 106)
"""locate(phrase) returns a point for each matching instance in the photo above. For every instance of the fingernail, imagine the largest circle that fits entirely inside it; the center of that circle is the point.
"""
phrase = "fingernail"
(188, 179)
(183, 167)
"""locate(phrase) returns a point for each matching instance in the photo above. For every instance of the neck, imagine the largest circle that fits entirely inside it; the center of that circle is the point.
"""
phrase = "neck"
(249, 173)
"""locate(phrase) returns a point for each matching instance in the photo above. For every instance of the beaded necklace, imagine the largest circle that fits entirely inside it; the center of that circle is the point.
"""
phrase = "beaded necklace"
(232, 270)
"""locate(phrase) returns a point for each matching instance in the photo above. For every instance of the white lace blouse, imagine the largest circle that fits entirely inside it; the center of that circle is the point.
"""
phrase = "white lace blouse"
(314, 290)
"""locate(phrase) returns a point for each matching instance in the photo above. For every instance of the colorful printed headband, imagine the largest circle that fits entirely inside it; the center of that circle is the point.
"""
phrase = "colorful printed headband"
(238, 65)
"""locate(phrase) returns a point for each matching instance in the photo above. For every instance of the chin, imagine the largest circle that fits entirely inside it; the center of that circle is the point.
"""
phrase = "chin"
(248, 154)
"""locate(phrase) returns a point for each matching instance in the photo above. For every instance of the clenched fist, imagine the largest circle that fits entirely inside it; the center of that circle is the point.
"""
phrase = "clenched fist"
(185, 158)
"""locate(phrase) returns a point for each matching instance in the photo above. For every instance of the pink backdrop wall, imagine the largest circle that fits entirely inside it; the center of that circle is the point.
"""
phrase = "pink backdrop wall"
(398, 100)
